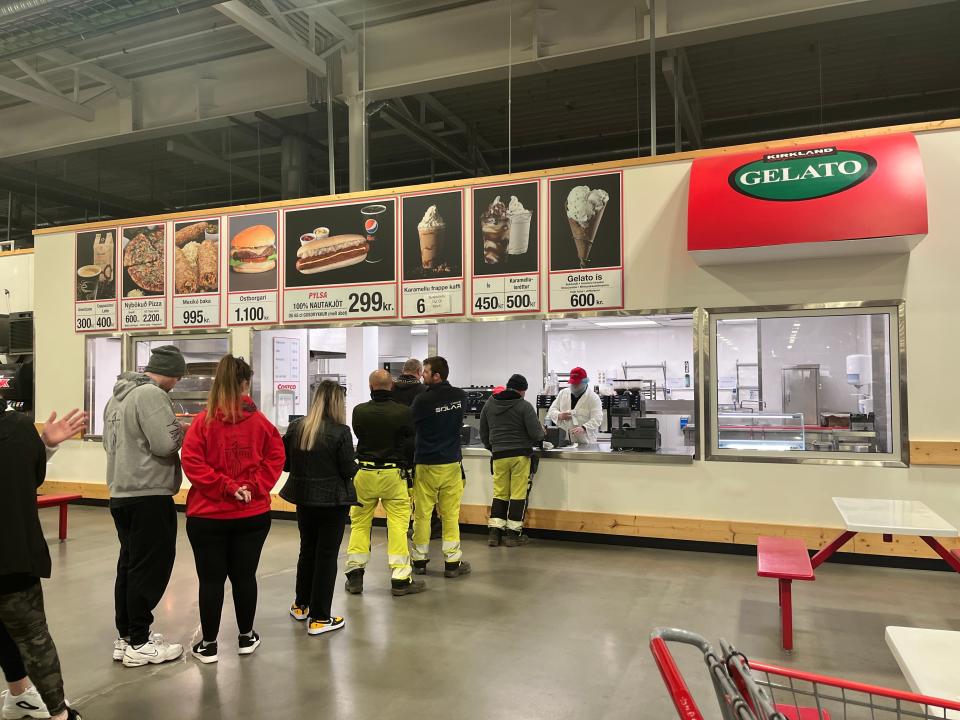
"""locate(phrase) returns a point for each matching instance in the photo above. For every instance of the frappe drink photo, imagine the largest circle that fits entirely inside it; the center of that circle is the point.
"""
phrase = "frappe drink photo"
(431, 229)
(496, 232)
(584, 211)
(518, 218)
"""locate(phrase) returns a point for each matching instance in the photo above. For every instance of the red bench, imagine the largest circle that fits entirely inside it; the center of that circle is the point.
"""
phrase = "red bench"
(60, 501)
(785, 559)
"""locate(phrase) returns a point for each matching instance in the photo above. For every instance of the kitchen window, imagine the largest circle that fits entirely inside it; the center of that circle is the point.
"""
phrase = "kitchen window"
(823, 383)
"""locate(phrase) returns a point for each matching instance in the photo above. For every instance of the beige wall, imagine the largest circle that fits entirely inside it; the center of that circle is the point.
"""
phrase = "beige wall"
(662, 275)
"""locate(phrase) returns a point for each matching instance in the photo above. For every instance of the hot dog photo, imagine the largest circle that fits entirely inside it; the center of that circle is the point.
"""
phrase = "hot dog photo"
(340, 244)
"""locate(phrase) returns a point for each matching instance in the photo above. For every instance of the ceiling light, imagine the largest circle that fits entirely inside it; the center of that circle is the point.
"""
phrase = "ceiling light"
(796, 324)
(625, 323)
(738, 321)
(419, 331)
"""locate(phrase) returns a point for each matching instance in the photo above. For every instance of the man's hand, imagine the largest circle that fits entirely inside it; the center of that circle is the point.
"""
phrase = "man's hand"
(56, 431)
(566, 415)
(578, 432)
(243, 494)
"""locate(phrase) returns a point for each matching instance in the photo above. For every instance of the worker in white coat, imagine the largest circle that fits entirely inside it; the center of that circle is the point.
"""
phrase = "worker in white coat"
(577, 409)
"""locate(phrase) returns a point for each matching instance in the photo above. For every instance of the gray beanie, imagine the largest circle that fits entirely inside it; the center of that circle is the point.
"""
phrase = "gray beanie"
(166, 360)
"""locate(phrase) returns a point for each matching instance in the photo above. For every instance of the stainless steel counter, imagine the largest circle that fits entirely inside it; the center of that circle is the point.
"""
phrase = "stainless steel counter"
(602, 452)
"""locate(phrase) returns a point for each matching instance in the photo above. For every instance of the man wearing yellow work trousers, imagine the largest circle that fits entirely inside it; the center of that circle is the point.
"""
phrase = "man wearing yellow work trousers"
(438, 416)
(509, 429)
(385, 432)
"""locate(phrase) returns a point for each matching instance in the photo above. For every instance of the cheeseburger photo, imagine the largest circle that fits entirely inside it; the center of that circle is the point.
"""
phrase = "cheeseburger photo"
(329, 253)
(254, 250)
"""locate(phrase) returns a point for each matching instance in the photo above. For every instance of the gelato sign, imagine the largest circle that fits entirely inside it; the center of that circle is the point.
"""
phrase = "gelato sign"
(802, 174)
(852, 196)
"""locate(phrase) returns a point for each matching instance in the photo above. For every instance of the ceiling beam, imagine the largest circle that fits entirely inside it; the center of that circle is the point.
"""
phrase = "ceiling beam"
(331, 23)
(676, 71)
(279, 18)
(258, 25)
(426, 138)
(45, 98)
(123, 86)
(35, 76)
(176, 147)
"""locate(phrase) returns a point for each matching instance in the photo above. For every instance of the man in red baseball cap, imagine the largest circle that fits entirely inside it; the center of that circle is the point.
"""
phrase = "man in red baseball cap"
(577, 409)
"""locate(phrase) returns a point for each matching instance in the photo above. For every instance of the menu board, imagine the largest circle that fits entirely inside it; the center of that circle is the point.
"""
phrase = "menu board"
(431, 242)
(585, 244)
(143, 280)
(506, 249)
(196, 273)
(253, 276)
(95, 281)
(340, 261)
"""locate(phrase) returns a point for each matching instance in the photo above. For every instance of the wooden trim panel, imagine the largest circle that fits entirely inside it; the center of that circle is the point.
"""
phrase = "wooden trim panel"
(21, 251)
(638, 526)
(934, 452)
(609, 165)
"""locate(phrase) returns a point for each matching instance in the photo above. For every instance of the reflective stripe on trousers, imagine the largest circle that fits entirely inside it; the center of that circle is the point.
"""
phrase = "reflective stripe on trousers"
(387, 487)
(441, 486)
(511, 478)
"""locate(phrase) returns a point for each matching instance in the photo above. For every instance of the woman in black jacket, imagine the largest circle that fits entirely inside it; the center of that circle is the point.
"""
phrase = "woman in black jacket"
(321, 463)
(27, 652)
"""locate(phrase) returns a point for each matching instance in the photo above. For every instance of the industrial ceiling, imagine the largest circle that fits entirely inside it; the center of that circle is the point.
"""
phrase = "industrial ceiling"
(853, 72)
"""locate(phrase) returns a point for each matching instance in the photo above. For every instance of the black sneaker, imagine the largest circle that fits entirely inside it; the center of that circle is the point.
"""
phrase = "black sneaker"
(248, 643)
(354, 584)
(407, 587)
(420, 567)
(493, 539)
(456, 569)
(515, 539)
(205, 653)
(73, 714)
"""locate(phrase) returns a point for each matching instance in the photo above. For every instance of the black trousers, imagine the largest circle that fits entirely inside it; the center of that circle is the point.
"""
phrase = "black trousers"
(321, 532)
(227, 549)
(26, 646)
(147, 530)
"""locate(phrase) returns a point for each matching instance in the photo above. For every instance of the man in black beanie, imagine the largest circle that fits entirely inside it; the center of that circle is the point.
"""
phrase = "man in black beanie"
(142, 439)
(510, 428)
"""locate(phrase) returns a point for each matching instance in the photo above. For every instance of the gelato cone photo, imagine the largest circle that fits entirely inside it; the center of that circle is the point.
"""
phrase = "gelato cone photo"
(431, 230)
(584, 211)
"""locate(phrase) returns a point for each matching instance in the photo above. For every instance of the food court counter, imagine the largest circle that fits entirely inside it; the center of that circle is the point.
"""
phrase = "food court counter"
(601, 452)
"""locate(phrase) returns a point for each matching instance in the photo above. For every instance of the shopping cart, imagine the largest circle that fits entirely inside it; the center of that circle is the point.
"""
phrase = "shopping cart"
(750, 690)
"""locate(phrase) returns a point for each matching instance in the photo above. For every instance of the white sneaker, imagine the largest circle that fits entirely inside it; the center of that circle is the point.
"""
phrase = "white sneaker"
(152, 652)
(27, 705)
(119, 647)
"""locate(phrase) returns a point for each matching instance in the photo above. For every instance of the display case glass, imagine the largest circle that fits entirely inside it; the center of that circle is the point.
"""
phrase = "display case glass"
(838, 368)
(104, 362)
(201, 353)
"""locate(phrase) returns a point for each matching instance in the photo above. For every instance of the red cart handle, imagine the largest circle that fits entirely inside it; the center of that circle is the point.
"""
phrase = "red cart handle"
(677, 687)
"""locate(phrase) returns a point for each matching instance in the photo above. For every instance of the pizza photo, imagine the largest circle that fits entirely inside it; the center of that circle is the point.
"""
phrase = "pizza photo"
(144, 260)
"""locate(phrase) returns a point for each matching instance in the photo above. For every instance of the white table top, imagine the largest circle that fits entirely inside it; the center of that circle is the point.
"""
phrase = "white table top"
(894, 517)
(928, 660)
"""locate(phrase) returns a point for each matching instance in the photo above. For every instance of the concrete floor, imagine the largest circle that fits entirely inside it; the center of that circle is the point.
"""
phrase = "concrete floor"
(554, 630)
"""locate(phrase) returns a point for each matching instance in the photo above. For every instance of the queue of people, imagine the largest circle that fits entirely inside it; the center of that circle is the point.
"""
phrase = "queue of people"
(408, 449)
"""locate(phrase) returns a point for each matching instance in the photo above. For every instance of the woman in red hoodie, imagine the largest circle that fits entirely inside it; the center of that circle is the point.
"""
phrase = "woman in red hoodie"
(233, 456)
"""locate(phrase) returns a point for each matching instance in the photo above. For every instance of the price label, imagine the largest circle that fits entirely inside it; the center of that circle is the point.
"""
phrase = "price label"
(142, 313)
(340, 303)
(196, 311)
(587, 290)
(95, 316)
(506, 295)
(252, 308)
(433, 299)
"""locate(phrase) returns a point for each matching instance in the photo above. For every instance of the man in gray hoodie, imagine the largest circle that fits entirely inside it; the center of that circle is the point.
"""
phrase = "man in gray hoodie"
(509, 428)
(142, 438)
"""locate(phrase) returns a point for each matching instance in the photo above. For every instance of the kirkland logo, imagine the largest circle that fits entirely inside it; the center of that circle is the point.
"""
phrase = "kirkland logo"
(802, 174)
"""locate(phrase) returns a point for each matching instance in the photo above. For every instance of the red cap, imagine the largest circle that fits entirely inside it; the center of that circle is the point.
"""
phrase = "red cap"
(499, 389)
(577, 375)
